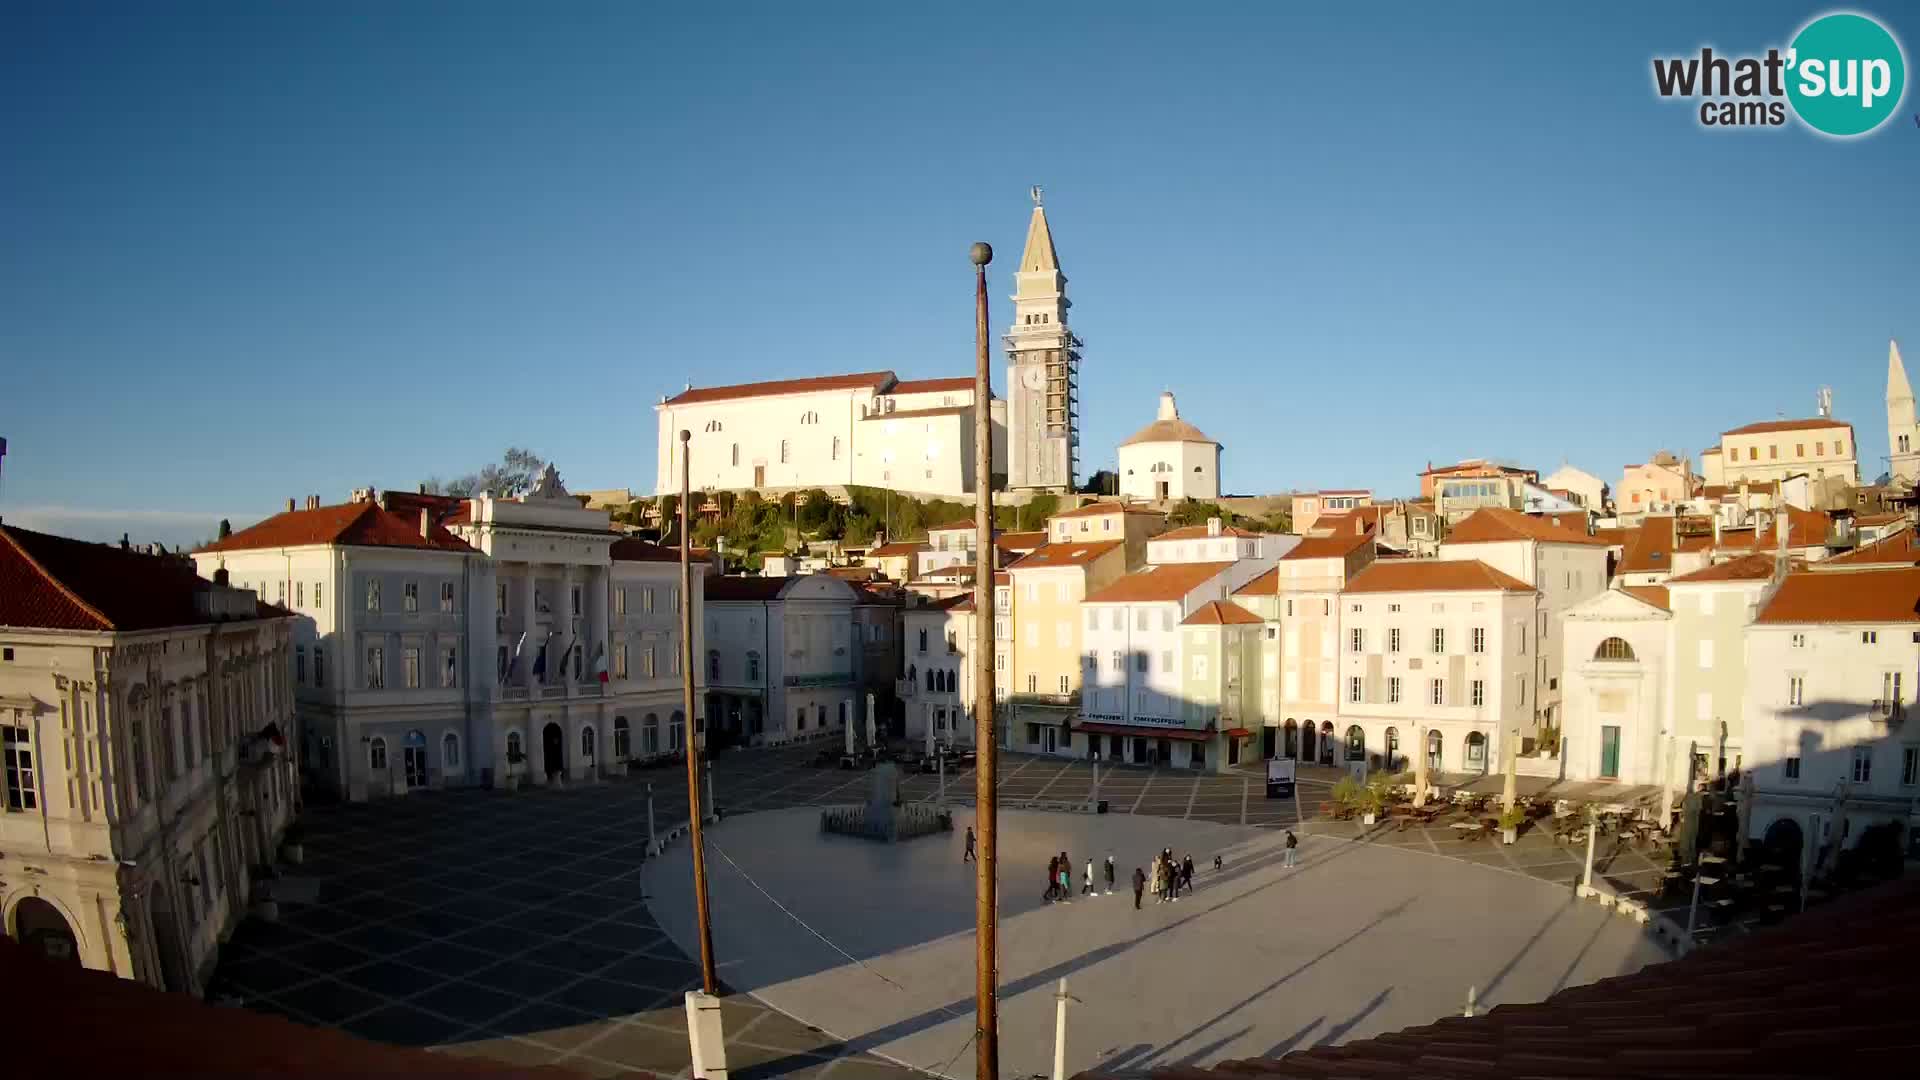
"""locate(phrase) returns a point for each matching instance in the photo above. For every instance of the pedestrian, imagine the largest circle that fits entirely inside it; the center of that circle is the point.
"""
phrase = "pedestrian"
(1186, 872)
(1173, 877)
(1293, 842)
(1157, 882)
(1086, 883)
(1109, 873)
(1066, 879)
(1139, 886)
(969, 856)
(1053, 881)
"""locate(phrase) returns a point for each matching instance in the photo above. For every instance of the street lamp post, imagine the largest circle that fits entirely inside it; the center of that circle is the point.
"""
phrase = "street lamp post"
(985, 896)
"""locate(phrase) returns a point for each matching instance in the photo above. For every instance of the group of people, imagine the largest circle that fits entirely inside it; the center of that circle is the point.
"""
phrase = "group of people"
(1060, 880)
(1168, 878)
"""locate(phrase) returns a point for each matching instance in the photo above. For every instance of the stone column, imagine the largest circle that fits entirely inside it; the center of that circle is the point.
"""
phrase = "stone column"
(599, 603)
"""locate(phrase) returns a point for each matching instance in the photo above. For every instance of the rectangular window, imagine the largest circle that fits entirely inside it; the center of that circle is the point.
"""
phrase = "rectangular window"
(319, 665)
(376, 667)
(1790, 768)
(1889, 692)
(1798, 641)
(1358, 639)
(573, 595)
(647, 669)
(1706, 653)
(1796, 690)
(1393, 640)
(1033, 684)
(299, 594)
(410, 596)
(500, 597)
(1863, 764)
(1093, 618)
(1119, 660)
(317, 595)
(1393, 690)
(1439, 640)
(1909, 766)
(1166, 662)
(1140, 619)
(1064, 683)
(1437, 691)
(673, 599)
(1479, 692)
(1479, 639)
(1869, 637)
(1353, 689)
(373, 594)
(1140, 662)
(410, 666)
(22, 791)
(300, 665)
(620, 600)
(446, 596)
(280, 592)
(646, 599)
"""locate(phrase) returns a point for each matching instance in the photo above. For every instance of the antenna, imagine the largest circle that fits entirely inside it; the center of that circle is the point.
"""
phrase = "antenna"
(1035, 192)
(1824, 400)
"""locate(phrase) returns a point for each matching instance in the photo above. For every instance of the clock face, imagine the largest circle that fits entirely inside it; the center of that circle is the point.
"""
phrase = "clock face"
(1034, 378)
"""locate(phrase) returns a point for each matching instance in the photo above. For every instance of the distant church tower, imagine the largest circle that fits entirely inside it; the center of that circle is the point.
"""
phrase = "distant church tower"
(1043, 369)
(1903, 430)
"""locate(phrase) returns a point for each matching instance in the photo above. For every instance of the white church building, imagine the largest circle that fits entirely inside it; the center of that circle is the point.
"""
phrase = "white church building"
(1170, 460)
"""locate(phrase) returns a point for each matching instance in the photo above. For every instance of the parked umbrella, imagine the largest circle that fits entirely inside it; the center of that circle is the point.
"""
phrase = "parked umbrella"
(1509, 791)
(1420, 766)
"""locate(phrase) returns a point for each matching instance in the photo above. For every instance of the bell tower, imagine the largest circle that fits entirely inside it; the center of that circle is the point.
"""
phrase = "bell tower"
(1043, 369)
(1903, 431)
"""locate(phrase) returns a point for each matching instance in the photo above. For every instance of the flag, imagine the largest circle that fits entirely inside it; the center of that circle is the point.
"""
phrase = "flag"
(513, 661)
(566, 655)
(540, 659)
(600, 661)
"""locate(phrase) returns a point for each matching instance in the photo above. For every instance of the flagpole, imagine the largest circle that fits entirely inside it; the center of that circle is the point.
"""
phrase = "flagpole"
(694, 736)
(985, 892)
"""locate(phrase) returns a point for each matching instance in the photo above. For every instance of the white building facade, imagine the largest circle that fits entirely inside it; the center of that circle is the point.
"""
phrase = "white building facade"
(1169, 460)
(779, 659)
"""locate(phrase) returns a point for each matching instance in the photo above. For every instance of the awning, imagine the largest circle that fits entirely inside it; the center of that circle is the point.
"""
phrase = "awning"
(1176, 734)
(1237, 733)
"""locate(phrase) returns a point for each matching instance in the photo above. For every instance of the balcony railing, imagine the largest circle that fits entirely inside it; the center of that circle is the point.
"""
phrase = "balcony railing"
(1071, 700)
(1889, 708)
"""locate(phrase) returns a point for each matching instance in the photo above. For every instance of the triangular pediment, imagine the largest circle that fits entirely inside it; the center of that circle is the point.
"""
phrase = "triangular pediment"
(1615, 604)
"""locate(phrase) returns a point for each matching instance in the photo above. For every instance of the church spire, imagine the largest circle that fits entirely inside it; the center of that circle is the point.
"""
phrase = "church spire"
(1039, 254)
(1898, 389)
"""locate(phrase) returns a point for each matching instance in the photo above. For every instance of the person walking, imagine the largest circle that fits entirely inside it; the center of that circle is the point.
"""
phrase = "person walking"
(1139, 886)
(1293, 843)
(1186, 872)
(1053, 881)
(1109, 873)
(1066, 879)
(1086, 883)
(969, 856)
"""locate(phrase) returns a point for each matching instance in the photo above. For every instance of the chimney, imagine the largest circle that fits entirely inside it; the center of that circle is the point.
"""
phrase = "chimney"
(426, 524)
(125, 545)
(1213, 523)
(289, 506)
(1167, 409)
(313, 502)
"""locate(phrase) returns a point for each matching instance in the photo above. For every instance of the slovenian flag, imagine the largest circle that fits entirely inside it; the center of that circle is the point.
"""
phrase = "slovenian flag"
(600, 661)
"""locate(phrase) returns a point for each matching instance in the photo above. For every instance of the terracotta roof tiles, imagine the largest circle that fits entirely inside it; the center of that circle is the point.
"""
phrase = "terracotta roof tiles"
(1652, 594)
(1164, 582)
(54, 583)
(1900, 549)
(1495, 524)
(1881, 596)
(1267, 584)
(1220, 613)
(1745, 568)
(1337, 546)
(865, 380)
(898, 548)
(1433, 575)
(933, 386)
(1199, 532)
(1066, 553)
(1765, 426)
(361, 524)
(1102, 508)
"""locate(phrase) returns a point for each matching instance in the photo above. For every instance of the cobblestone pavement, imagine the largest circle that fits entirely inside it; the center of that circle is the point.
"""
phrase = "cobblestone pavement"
(513, 924)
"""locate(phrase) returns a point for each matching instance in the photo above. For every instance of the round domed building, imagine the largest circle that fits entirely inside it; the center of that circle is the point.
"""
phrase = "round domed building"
(1169, 460)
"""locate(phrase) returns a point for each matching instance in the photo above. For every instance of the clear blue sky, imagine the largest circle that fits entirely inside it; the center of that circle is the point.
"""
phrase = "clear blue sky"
(247, 255)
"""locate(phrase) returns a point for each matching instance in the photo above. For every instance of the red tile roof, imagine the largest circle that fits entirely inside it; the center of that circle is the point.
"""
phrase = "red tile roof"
(1765, 426)
(902, 414)
(1267, 584)
(865, 380)
(898, 548)
(1220, 613)
(1102, 508)
(1495, 524)
(1744, 568)
(1652, 594)
(1337, 546)
(933, 386)
(1165, 582)
(1065, 553)
(1900, 549)
(1651, 548)
(362, 524)
(1879, 596)
(1020, 541)
(1199, 532)
(729, 587)
(1431, 575)
(631, 550)
(134, 1030)
(53, 583)
(1472, 464)
(1822, 994)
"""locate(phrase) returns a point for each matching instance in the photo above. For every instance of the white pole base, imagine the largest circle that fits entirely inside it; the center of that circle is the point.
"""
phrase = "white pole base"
(705, 1035)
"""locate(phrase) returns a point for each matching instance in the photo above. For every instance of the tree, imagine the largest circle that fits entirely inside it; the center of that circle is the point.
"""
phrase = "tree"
(226, 528)
(514, 475)
(1103, 482)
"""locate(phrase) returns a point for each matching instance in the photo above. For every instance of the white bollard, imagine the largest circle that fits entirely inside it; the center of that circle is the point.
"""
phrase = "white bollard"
(1470, 1002)
(1060, 997)
(713, 796)
(706, 1037)
(653, 836)
(1593, 829)
(940, 763)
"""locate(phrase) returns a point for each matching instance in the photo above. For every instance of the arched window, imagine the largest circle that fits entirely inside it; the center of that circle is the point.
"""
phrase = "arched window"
(622, 738)
(377, 753)
(713, 665)
(650, 734)
(513, 745)
(676, 730)
(1393, 748)
(1476, 752)
(449, 751)
(1326, 742)
(930, 680)
(1433, 751)
(713, 425)
(1613, 649)
(586, 742)
(1356, 743)
(753, 667)
(1291, 739)
(913, 674)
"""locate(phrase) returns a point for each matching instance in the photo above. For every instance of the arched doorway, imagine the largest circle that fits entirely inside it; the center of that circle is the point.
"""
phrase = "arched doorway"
(1326, 742)
(1290, 736)
(1785, 845)
(44, 931)
(1306, 741)
(1434, 751)
(1356, 743)
(1476, 752)
(413, 754)
(1393, 750)
(553, 751)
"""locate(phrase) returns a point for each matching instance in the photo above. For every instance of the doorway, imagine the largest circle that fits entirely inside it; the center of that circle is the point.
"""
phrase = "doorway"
(759, 476)
(1049, 738)
(1233, 750)
(552, 750)
(44, 931)
(1306, 741)
(1160, 490)
(1268, 742)
(1610, 752)
(1139, 751)
(414, 757)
